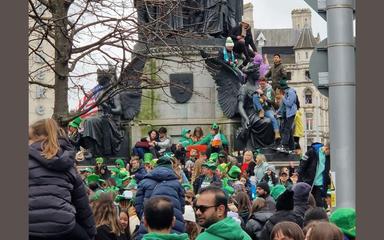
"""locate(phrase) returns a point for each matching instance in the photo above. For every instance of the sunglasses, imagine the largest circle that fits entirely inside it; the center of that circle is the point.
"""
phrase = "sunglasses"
(202, 208)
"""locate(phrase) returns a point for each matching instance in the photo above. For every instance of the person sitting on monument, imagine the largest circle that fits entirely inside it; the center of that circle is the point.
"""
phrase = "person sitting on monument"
(277, 72)
(147, 144)
(227, 56)
(185, 139)
(242, 37)
(215, 140)
(197, 135)
(267, 99)
(74, 133)
(164, 142)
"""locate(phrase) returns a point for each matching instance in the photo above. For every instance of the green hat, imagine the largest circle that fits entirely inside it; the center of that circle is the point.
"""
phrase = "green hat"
(168, 154)
(120, 162)
(115, 170)
(214, 126)
(229, 42)
(184, 131)
(186, 186)
(131, 185)
(94, 178)
(234, 172)
(222, 167)
(213, 157)
(345, 219)
(164, 161)
(226, 187)
(277, 191)
(76, 122)
(210, 165)
(100, 160)
(148, 157)
(283, 84)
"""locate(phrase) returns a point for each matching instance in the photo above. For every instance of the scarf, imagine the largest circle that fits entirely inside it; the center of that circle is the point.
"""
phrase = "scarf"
(226, 57)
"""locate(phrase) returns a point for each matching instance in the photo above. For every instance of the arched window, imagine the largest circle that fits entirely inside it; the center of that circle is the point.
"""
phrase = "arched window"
(308, 96)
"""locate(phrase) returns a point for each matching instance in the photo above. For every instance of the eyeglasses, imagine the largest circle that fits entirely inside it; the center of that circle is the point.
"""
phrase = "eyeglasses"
(202, 208)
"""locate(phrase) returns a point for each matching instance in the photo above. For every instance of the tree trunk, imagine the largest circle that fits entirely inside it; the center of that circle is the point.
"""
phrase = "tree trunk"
(62, 55)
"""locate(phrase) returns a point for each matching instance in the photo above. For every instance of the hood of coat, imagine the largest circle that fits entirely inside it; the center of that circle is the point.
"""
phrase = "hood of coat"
(63, 160)
(226, 229)
(162, 174)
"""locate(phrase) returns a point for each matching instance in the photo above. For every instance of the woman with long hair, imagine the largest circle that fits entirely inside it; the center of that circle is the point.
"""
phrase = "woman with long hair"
(324, 231)
(258, 216)
(244, 205)
(197, 134)
(124, 222)
(58, 203)
(107, 222)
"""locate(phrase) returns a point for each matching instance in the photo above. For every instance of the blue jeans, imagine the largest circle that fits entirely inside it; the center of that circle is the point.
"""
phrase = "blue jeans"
(269, 114)
(256, 102)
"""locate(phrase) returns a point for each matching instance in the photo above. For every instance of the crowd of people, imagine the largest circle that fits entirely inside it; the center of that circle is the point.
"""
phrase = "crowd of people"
(161, 193)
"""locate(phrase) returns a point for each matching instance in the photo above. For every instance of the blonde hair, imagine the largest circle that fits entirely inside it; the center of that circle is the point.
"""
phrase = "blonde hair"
(261, 157)
(48, 131)
(105, 214)
(249, 152)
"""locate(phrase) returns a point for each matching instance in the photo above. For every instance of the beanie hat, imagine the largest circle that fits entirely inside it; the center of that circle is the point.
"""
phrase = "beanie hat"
(189, 214)
(277, 191)
(258, 59)
(301, 192)
(345, 219)
(314, 214)
(283, 84)
(229, 42)
(264, 186)
(285, 201)
(234, 172)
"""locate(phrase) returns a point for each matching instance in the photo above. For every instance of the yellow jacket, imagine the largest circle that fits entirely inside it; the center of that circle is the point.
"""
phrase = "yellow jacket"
(299, 126)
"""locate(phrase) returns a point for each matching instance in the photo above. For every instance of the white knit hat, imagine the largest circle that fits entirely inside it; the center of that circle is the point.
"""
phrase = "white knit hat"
(189, 214)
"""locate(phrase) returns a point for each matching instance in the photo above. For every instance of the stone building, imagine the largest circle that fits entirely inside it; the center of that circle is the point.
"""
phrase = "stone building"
(295, 45)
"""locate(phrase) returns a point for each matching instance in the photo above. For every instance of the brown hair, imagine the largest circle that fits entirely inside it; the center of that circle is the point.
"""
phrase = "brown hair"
(48, 131)
(244, 204)
(105, 214)
(289, 229)
(257, 205)
(191, 229)
(126, 230)
(324, 231)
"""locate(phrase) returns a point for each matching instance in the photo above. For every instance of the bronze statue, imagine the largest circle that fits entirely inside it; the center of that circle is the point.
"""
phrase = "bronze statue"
(235, 101)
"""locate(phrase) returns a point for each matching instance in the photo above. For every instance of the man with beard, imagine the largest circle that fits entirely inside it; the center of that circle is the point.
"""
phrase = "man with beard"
(211, 211)
(263, 190)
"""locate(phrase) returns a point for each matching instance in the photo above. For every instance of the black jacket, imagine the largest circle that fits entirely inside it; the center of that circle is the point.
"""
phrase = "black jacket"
(104, 233)
(308, 165)
(197, 183)
(256, 223)
(279, 216)
(57, 196)
(236, 31)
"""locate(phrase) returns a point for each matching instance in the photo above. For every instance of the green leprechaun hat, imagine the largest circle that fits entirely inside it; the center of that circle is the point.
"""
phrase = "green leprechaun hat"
(213, 157)
(345, 220)
(148, 157)
(215, 126)
(76, 122)
(94, 178)
(234, 172)
(186, 186)
(210, 165)
(100, 160)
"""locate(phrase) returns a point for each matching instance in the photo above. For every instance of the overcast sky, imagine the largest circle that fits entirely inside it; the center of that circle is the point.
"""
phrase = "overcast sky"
(277, 14)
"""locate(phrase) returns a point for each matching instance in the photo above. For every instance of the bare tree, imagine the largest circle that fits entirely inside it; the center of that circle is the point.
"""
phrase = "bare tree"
(89, 34)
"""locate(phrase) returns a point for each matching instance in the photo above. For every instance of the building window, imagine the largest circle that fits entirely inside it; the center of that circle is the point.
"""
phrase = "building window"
(306, 55)
(289, 75)
(308, 96)
(307, 75)
(298, 56)
(309, 121)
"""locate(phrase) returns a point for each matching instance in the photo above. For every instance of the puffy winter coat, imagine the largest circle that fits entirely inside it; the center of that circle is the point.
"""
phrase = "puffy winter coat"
(57, 196)
(279, 216)
(308, 166)
(256, 223)
(162, 181)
